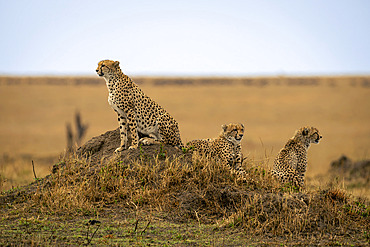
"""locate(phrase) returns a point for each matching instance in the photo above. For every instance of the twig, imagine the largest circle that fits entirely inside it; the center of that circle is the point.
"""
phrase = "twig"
(90, 223)
(196, 214)
(146, 227)
(137, 221)
(33, 168)
(94, 232)
(87, 234)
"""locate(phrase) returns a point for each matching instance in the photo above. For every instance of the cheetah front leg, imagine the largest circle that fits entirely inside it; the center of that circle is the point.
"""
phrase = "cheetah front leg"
(289, 176)
(302, 166)
(132, 128)
(122, 132)
(228, 159)
(234, 162)
(238, 163)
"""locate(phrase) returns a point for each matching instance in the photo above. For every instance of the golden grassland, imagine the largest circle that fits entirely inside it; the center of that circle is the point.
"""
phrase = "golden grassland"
(34, 113)
(175, 198)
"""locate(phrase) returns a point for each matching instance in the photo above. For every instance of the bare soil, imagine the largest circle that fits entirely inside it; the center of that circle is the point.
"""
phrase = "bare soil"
(102, 148)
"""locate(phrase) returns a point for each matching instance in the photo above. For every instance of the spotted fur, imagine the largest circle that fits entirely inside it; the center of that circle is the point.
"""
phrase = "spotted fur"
(137, 113)
(225, 148)
(291, 163)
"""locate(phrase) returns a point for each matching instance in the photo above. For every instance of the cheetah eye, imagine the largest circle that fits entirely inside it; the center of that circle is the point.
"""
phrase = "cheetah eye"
(102, 65)
(305, 132)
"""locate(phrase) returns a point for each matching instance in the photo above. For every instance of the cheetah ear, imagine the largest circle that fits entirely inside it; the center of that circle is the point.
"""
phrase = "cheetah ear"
(305, 132)
(224, 127)
(242, 125)
(115, 64)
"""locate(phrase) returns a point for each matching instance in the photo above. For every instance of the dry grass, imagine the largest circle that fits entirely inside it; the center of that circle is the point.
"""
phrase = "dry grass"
(187, 190)
(16, 170)
(35, 110)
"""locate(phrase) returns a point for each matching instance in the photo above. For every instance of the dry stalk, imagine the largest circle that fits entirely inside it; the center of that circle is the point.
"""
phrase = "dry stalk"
(136, 223)
(146, 227)
(33, 169)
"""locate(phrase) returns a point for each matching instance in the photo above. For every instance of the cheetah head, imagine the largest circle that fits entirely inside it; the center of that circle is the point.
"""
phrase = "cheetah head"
(233, 132)
(107, 67)
(308, 135)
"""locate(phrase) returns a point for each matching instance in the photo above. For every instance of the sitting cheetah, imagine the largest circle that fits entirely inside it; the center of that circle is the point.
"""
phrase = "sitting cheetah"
(137, 113)
(291, 162)
(226, 147)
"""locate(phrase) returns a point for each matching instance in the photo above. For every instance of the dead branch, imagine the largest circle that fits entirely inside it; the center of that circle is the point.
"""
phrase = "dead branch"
(69, 137)
(33, 168)
(80, 128)
(136, 222)
(146, 227)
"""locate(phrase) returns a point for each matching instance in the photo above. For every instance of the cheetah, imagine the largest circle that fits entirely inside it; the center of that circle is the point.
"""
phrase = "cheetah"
(138, 115)
(291, 163)
(225, 148)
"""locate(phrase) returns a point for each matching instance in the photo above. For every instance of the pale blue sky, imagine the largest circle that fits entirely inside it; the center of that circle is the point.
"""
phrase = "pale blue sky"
(277, 37)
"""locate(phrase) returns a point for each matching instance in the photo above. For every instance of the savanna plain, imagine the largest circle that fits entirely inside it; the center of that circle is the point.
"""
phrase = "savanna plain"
(146, 201)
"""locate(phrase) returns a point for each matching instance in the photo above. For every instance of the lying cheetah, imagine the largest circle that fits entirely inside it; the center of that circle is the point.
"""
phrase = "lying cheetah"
(137, 113)
(291, 162)
(226, 147)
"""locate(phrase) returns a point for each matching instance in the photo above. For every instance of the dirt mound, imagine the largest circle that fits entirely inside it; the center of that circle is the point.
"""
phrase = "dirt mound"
(101, 148)
(99, 151)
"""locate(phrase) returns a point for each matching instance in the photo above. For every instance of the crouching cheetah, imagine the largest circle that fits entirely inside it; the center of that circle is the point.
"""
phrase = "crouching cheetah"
(137, 113)
(225, 148)
(291, 163)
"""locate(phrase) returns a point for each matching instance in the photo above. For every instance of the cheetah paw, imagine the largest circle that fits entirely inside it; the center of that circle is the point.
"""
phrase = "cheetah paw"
(145, 142)
(133, 147)
(120, 149)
